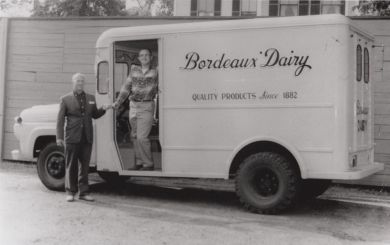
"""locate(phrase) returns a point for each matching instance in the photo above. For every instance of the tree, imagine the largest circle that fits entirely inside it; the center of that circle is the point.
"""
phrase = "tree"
(373, 8)
(6, 4)
(152, 8)
(65, 8)
(164, 7)
(15, 7)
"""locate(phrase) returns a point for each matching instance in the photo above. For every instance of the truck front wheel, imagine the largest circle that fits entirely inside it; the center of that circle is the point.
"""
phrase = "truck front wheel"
(267, 182)
(51, 167)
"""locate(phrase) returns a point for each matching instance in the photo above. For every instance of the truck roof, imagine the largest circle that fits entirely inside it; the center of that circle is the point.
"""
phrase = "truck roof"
(219, 25)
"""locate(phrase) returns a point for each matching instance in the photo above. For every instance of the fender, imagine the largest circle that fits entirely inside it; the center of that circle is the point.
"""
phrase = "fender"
(282, 142)
(48, 130)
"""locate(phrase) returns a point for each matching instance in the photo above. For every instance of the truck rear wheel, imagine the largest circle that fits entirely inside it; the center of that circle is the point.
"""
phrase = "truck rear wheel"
(267, 182)
(51, 167)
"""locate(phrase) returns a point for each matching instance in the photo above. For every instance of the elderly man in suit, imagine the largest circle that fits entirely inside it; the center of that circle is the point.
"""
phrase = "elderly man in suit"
(77, 109)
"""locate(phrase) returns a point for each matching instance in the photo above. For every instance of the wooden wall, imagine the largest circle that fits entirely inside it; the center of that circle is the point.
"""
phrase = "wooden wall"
(43, 54)
(3, 47)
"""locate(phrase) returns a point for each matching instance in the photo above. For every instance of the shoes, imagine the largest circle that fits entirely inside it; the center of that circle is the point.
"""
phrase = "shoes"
(86, 198)
(147, 168)
(136, 167)
(69, 198)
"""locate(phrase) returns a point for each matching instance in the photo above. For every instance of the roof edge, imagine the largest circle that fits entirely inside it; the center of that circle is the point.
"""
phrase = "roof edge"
(225, 25)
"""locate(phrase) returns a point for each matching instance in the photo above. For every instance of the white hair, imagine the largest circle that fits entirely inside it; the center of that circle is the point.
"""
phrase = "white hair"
(78, 75)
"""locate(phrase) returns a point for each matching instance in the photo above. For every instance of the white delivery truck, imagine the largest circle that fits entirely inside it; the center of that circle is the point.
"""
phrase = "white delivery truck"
(280, 106)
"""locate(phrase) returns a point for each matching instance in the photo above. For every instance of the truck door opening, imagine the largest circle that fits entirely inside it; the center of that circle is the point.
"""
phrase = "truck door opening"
(126, 56)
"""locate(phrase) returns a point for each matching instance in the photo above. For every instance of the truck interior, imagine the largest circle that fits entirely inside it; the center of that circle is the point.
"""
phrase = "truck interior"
(125, 56)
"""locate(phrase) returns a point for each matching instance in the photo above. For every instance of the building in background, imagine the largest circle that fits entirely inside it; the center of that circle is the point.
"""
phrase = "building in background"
(263, 7)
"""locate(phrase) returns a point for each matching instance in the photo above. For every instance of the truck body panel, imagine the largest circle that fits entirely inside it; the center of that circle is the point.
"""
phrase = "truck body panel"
(224, 84)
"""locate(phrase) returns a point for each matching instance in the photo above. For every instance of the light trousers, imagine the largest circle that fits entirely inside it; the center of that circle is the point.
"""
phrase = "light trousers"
(141, 121)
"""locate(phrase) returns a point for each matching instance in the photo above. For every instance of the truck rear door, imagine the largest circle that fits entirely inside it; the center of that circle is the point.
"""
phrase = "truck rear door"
(362, 146)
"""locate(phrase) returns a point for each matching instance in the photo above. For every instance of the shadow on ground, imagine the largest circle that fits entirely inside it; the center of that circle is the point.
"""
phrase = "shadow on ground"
(221, 199)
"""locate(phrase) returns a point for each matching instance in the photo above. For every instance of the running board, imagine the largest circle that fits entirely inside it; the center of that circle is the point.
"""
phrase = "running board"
(194, 183)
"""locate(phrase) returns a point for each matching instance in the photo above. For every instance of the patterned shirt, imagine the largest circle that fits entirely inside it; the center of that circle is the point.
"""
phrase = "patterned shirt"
(139, 85)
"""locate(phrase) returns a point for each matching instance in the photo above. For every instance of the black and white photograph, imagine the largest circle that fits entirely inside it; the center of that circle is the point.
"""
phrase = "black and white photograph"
(175, 122)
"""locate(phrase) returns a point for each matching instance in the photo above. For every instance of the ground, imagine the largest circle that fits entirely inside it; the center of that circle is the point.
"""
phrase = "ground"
(135, 214)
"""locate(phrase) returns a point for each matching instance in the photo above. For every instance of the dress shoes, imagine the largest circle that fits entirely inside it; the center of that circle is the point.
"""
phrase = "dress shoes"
(69, 198)
(136, 167)
(86, 198)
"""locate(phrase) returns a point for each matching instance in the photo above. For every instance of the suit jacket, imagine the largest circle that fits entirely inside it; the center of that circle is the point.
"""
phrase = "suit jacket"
(70, 113)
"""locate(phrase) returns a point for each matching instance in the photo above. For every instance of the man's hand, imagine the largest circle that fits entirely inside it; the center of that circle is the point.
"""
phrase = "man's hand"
(115, 105)
(107, 107)
(60, 143)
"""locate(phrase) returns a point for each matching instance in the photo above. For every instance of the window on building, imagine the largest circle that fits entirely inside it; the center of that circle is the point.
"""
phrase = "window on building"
(289, 7)
(236, 8)
(358, 63)
(244, 8)
(305, 7)
(315, 7)
(333, 7)
(273, 7)
(205, 7)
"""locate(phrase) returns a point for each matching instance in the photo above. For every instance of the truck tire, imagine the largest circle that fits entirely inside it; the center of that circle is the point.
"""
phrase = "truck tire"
(267, 183)
(312, 188)
(51, 167)
(112, 178)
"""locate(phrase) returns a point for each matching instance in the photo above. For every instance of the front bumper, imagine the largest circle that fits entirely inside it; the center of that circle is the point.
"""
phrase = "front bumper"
(18, 156)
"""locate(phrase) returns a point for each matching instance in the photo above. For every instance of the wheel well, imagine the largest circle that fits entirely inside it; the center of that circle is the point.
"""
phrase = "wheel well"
(41, 142)
(260, 146)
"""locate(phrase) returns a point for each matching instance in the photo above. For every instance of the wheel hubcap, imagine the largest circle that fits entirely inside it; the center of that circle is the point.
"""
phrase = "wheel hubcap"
(55, 165)
(266, 182)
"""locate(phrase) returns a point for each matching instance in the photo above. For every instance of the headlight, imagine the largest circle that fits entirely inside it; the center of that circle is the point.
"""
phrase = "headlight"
(18, 120)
